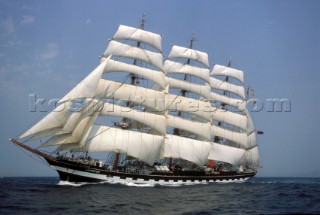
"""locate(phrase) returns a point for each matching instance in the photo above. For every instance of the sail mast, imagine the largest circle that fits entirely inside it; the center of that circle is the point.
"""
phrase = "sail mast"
(222, 106)
(176, 131)
(183, 92)
(133, 79)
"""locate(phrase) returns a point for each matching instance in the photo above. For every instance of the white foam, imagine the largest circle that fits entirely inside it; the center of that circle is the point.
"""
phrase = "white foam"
(74, 184)
(68, 183)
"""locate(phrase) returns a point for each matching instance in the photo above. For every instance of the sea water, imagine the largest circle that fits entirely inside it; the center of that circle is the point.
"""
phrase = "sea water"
(257, 196)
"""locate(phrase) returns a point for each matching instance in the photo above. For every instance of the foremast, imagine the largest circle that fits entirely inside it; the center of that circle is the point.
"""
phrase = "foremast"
(124, 123)
(104, 99)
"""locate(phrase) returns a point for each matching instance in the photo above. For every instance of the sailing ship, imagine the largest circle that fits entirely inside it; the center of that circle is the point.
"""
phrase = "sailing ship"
(156, 122)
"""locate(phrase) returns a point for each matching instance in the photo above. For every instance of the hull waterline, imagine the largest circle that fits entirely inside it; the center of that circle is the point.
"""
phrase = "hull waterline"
(82, 173)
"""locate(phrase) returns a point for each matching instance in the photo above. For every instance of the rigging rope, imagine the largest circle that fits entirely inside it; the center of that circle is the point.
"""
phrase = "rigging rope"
(40, 158)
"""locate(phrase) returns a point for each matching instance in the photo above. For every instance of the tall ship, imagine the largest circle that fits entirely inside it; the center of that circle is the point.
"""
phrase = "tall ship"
(150, 120)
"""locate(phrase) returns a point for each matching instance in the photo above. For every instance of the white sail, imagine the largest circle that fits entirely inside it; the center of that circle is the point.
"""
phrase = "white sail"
(78, 135)
(252, 139)
(71, 122)
(53, 120)
(250, 125)
(87, 87)
(226, 153)
(179, 68)
(251, 131)
(62, 120)
(230, 118)
(237, 137)
(227, 71)
(117, 66)
(157, 122)
(252, 157)
(68, 147)
(191, 150)
(60, 139)
(237, 103)
(135, 94)
(59, 116)
(202, 90)
(123, 50)
(147, 110)
(46, 133)
(189, 105)
(129, 33)
(199, 128)
(222, 85)
(246, 137)
(145, 147)
(182, 52)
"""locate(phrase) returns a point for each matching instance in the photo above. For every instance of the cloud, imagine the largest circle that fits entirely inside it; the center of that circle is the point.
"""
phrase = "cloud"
(88, 21)
(50, 52)
(8, 26)
(27, 20)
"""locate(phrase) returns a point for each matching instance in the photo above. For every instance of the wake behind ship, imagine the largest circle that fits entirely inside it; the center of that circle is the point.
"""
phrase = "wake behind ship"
(156, 122)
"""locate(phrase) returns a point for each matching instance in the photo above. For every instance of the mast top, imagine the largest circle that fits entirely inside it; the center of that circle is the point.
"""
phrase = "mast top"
(142, 21)
(229, 64)
(193, 38)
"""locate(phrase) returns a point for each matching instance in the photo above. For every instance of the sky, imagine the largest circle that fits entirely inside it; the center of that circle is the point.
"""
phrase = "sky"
(47, 47)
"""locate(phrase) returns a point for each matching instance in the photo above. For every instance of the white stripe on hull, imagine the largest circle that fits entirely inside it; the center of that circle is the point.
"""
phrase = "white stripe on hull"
(117, 179)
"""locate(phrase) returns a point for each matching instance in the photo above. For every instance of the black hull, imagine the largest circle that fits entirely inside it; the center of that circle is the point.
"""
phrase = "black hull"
(74, 170)
(77, 172)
